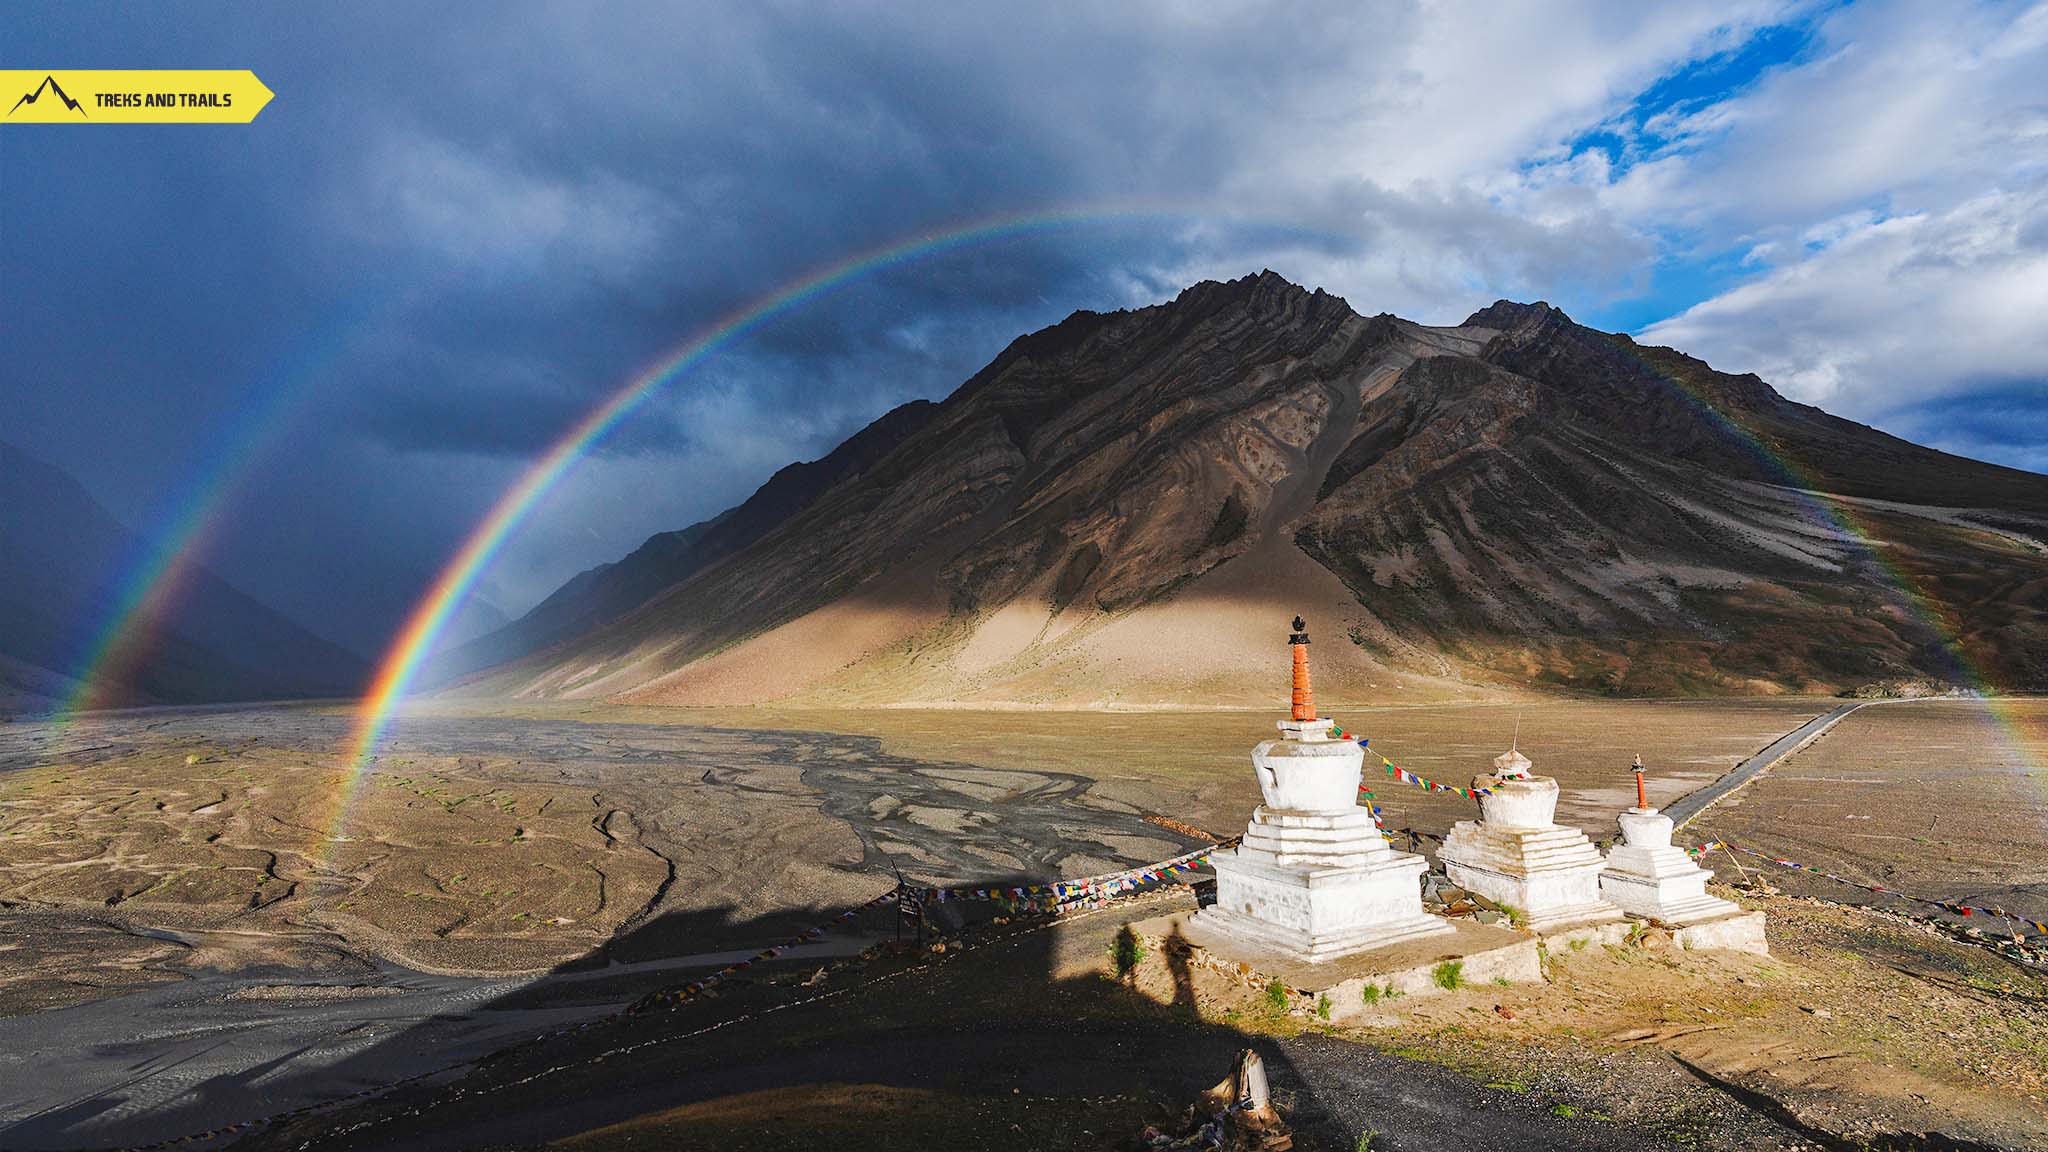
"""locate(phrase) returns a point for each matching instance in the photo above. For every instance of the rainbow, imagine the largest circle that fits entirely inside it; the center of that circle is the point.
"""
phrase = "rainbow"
(416, 639)
(1843, 519)
(162, 569)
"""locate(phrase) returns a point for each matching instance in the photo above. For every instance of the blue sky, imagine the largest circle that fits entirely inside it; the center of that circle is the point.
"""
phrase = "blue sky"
(449, 235)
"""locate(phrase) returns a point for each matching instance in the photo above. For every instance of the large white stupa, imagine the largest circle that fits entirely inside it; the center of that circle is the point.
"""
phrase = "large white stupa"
(1313, 877)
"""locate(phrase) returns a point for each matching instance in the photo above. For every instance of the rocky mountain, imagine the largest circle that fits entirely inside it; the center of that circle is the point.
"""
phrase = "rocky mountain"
(1126, 508)
(597, 596)
(62, 557)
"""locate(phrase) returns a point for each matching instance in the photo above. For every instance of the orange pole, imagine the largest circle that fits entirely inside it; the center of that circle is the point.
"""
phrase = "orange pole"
(1642, 798)
(1304, 694)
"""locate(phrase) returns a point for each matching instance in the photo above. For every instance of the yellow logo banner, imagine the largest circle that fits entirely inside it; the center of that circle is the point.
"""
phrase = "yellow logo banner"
(131, 96)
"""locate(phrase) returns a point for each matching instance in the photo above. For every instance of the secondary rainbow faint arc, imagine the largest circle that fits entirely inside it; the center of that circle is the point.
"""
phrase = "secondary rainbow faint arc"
(1842, 516)
(401, 664)
(153, 583)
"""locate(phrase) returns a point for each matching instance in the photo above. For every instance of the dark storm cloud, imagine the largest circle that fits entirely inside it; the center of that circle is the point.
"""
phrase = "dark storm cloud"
(454, 232)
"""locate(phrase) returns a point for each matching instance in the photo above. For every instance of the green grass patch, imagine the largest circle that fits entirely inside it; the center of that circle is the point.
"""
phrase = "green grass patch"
(1276, 997)
(1449, 975)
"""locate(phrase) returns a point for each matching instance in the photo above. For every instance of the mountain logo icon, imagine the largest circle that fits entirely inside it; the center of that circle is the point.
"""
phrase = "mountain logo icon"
(49, 83)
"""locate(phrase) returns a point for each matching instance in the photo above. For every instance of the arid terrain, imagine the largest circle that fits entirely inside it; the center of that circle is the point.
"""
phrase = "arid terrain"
(1940, 798)
(193, 943)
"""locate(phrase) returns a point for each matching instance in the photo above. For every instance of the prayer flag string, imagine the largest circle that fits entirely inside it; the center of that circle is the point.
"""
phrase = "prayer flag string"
(1402, 774)
(1963, 910)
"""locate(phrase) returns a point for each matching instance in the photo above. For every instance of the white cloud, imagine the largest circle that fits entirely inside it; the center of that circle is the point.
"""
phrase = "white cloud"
(1412, 130)
(1893, 191)
(1902, 105)
(1887, 312)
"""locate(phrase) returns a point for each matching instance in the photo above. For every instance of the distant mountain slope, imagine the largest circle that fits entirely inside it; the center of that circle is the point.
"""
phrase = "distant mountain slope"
(61, 555)
(596, 596)
(1126, 508)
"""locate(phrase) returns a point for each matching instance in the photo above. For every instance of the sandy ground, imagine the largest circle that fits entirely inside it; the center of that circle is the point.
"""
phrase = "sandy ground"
(160, 868)
(1946, 799)
(1194, 765)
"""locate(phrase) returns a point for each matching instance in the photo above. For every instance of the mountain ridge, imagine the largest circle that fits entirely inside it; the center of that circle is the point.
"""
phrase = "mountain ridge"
(1514, 502)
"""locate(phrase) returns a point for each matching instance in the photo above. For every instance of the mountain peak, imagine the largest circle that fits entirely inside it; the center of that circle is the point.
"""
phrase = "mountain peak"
(1507, 314)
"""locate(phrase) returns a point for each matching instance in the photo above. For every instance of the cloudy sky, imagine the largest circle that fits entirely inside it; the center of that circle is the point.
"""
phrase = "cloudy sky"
(457, 228)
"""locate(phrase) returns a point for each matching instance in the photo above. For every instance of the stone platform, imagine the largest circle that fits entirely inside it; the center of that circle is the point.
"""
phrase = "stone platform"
(1736, 932)
(1550, 875)
(1406, 966)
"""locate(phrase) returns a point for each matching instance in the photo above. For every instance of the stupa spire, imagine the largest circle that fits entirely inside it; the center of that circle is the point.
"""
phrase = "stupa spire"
(1304, 692)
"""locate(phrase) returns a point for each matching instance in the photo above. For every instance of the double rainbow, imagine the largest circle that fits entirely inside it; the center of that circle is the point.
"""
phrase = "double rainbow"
(155, 582)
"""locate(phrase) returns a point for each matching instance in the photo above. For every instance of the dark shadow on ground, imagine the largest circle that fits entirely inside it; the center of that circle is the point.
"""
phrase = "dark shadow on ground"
(884, 1051)
(1019, 1036)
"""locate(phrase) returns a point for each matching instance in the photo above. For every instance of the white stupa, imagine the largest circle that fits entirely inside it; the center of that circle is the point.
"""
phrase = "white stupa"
(1648, 876)
(1517, 855)
(1313, 877)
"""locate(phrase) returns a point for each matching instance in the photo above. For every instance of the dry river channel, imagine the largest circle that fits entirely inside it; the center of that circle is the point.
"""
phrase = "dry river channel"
(731, 814)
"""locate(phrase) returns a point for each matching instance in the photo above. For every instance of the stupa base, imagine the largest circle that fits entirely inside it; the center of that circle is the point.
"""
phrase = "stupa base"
(1672, 901)
(1315, 914)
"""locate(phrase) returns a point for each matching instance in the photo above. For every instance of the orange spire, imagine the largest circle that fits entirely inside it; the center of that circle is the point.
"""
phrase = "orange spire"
(1304, 695)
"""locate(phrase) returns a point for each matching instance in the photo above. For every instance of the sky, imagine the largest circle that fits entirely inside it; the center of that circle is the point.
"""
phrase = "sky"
(346, 328)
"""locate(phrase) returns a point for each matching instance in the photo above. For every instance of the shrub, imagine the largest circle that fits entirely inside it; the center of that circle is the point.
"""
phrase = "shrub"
(1125, 951)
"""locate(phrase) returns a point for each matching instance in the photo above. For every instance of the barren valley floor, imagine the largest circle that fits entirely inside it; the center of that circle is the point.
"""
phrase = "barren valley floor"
(201, 931)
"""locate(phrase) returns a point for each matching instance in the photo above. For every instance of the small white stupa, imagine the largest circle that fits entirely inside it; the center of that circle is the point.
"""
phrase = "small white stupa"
(1313, 878)
(1517, 855)
(1648, 876)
